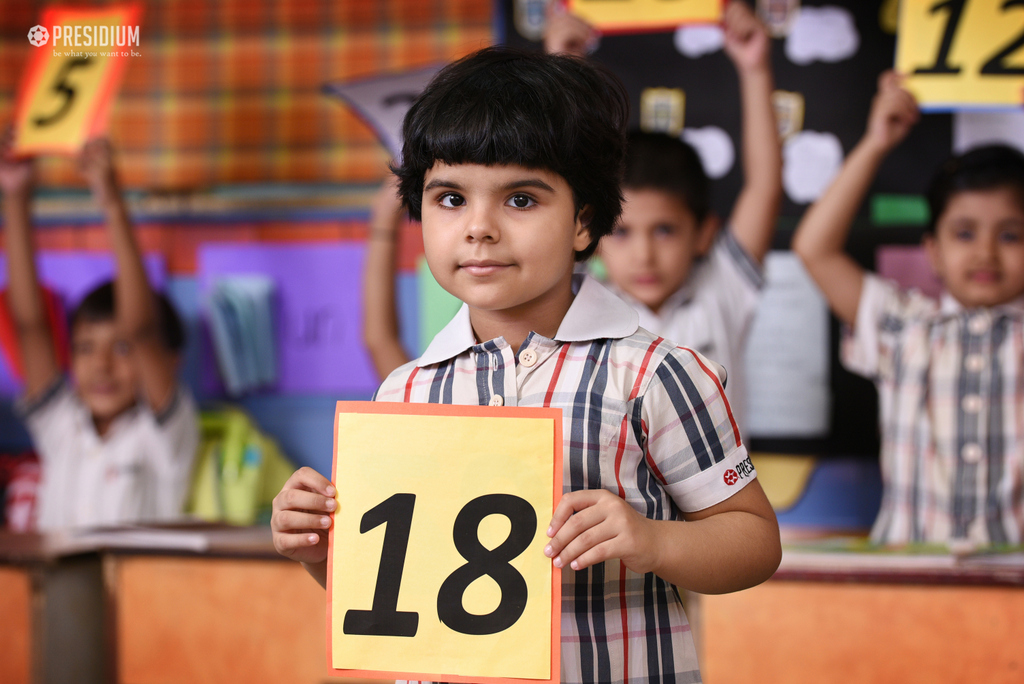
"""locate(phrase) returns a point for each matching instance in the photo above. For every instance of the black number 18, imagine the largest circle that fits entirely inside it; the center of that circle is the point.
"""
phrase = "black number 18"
(384, 618)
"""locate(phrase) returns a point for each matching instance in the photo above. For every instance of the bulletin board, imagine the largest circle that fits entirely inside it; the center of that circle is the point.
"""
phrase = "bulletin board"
(861, 44)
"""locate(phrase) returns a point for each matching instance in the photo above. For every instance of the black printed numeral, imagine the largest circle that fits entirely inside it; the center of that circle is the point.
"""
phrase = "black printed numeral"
(61, 87)
(384, 618)
(995, 66)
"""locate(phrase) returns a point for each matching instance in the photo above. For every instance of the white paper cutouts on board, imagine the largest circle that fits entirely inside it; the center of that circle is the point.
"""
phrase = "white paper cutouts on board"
(810, 161)
(715, 148)
(972, 129)
(699, 40)
(824, 34)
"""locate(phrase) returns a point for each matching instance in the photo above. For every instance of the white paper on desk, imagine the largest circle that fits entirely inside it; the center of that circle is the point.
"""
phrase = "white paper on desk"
(787, 355)
(382, 102)
(972, 129)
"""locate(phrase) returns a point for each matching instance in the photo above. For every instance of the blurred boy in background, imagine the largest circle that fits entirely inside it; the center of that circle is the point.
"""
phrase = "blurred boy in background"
(116, 438)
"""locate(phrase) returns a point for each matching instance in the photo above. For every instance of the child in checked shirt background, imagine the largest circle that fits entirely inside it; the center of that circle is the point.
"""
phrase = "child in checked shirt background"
(950, 373)
(511, 161)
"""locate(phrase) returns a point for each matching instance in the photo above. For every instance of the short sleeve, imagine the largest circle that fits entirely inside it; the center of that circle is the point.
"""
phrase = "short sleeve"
(882, 313)
(692, 438)
(50, 419)
(735, 280)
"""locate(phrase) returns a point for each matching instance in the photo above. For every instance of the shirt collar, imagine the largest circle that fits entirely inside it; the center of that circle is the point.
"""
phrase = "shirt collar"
(949, 306)
(595, 313)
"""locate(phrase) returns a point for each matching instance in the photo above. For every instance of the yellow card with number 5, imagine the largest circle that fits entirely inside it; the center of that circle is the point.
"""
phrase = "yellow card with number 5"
(962, 54)
(73, 72)
(436, 568)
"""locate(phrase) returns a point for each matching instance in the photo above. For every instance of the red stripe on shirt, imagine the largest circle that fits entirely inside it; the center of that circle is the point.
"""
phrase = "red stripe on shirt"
(619, 451)
(408, 384)
(643, 368)
(721, 390)
(555, 374)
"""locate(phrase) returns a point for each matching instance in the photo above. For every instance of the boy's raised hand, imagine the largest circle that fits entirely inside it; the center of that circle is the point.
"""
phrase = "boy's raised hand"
(302, 517)
(17, 175)
(893, 113)
(566, 33)
(746, 39)
(96, 164)
(591, 526)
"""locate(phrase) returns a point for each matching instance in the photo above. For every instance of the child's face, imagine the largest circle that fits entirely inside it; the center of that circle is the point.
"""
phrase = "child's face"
(501, 238)
(978, 247)
(650, 252)
(102, 369)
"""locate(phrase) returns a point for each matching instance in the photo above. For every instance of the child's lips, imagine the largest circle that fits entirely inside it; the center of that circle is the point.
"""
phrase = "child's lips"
(646, 280)
(483, 267)
(984, 277)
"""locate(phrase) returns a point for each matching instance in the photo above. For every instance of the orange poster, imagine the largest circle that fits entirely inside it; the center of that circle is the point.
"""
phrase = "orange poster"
(436, 569)
(73, 73)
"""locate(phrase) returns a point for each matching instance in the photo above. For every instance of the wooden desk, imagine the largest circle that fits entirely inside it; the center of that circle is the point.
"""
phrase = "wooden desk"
(51, 608)
(951, 622)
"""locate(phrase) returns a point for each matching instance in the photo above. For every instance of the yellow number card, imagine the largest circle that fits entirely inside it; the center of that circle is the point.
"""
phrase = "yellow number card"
(962, 54)
(624, 16)
(73, 72)
(436, 569)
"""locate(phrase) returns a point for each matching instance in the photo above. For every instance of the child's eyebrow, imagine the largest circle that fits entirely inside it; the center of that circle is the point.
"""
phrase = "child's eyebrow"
(505, 187)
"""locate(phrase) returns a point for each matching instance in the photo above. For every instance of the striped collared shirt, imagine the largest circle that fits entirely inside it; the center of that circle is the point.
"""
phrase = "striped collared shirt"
(644, 419)
(951, 396)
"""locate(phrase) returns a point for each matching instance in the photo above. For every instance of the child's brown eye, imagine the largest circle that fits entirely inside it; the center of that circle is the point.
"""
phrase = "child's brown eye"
(450, 199)
(521, 201)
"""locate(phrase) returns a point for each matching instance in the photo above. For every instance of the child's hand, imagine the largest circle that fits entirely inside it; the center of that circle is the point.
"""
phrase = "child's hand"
(17, 176)
(568, 34)
(746, 39)
(893, 113)
(593, 525)
(302, 516)
(96, 164)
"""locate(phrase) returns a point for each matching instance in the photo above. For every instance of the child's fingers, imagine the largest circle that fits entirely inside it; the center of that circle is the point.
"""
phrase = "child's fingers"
(570, 503)
(290, 521)
(310, 480)
(288, 544)
(592, 533)
(302, 500)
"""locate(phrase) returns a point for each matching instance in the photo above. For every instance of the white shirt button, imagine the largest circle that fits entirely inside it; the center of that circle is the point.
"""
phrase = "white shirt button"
(528, 357)
(978, 324)
(497, 400)
(971, 453)
(974, 363)
(494, 362)
(971, 403)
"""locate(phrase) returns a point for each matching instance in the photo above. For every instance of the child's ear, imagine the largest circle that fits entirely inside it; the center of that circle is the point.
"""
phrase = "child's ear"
(582, 239)
(707, 231)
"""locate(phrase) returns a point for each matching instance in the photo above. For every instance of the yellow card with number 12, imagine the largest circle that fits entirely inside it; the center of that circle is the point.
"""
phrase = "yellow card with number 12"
(73, 72)
(436, 565)
(962, 54)
(627, 16)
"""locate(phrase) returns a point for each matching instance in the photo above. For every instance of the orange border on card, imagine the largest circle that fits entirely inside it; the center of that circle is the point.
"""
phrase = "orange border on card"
(648, 27)
(396, 408)
(95, 121)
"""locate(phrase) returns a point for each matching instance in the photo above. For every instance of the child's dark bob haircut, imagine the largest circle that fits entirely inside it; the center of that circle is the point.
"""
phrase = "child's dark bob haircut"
(991, 167)
(655, 161)
(501, 106)
(98, 307)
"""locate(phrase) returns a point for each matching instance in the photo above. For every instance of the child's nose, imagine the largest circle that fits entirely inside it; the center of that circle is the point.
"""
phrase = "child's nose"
(481, 224)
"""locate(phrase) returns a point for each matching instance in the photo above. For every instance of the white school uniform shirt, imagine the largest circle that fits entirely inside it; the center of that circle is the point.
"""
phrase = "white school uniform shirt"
(712, 313)
(138, 472)
(951, 401)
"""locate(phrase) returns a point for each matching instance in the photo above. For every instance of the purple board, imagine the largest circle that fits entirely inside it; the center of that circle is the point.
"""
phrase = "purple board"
(72, 275)
(318, 313)
(908, 265)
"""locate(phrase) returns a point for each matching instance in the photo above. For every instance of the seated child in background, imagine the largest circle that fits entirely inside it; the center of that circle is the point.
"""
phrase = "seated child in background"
(663, 257)
(116, 442)
(950, 373)
(511, 161)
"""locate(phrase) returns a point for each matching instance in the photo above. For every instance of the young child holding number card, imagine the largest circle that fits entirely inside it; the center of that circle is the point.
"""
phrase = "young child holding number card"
(950, 373)
(511, 161)
(688, 280)
(116, 439)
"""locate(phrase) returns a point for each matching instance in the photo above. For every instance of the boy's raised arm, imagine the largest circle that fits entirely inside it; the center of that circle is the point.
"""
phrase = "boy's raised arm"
(820, 238)
(757, 207)
(24, 296)
(135, 304)
(380, 311)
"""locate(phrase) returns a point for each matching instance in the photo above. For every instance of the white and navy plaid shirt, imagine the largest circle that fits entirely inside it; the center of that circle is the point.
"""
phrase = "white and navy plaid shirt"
(951, 396)
(644, 419)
